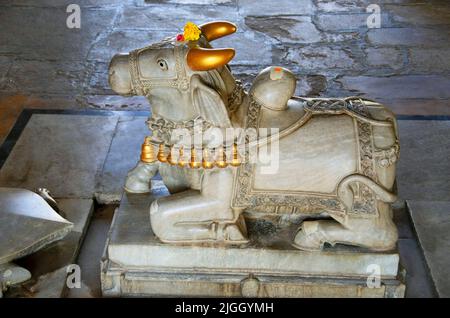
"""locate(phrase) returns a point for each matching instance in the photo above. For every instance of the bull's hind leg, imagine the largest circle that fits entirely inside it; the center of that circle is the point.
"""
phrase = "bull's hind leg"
(374, 232)
(378, 233)
(200, 216)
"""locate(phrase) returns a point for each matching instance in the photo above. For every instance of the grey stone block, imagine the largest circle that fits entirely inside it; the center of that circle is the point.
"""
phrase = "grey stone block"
(432, 223)
(408, 37)
(313, 57)
(122, 157)
(45, 77)
(267, 7)
(421, 14)
(49, 266)
(25, 213)
(400, 86)
(172, 18)
(286, 29)
(46, 34)
(347, 22)
(423, 168)
(137, 263)
(63, 153)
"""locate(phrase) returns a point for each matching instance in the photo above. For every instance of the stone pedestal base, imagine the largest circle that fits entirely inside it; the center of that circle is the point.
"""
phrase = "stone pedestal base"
(136, 263)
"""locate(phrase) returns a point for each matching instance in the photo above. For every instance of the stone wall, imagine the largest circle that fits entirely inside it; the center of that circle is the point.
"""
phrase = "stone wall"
(327, 44)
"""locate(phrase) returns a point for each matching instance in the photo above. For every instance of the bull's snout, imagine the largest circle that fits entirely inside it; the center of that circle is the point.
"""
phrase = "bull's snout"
(119, 75)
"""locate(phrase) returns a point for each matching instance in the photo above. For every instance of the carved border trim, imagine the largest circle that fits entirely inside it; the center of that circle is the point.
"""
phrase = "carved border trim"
(306, 202)
(365, 202)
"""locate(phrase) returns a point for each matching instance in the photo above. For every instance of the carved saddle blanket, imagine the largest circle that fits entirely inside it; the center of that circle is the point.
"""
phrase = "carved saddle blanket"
(365, 204)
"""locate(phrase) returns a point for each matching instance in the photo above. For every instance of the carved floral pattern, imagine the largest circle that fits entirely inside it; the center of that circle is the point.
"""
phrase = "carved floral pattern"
(364, 204)
(387, 157)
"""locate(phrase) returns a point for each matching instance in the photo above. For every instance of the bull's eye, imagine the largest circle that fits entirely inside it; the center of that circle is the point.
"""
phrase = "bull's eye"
(162, 64)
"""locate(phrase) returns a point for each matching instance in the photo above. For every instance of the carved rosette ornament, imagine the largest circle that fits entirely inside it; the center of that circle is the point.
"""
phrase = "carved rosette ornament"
(387, 157)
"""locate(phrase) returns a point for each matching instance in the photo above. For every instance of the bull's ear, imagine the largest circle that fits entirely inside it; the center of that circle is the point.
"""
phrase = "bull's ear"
(217, 29)
(201, 59)
(209, 103)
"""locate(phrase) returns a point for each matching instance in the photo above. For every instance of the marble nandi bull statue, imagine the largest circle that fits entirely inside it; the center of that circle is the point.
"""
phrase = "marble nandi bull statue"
(336, 157)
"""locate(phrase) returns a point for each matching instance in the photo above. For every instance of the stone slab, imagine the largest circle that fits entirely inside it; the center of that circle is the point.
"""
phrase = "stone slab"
(123, 155)
(423, 168)
(44, 34)
(25, 212)
(418, 280)
(282, 7)
(137, 263)
(63, 153)
(49, 265)
(432, 223)
(91, 253)
(419, 283)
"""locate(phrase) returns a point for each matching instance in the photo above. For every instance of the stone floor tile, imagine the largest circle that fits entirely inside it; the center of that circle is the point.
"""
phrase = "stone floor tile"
(91, 253)
(286, 29)
(63, 153)
(424, 14)
(399, 86)
(124, 41)
(122, 157)
(267, 7)
(45, 34)
(11, 105)
(423, 171)
(65, 3)
(49, 265)
(172, 18)
(45, 77)
(408, 37)
(432, 223)
(417, 106)
(117, 102)
(246, 44)
(418, 280)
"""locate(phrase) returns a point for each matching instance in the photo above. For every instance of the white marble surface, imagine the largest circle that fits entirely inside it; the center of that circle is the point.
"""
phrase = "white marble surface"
(27, 224)
(132, 243)
(49, 265)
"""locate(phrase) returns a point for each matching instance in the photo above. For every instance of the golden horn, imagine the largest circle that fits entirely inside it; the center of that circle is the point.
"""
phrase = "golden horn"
(147, 152)
(217, 29)
(194, 163)
(235, 162)
(161, 155)
(181, 161)
(200, 59)
(205, 161)
(222, 159)
(170, 158)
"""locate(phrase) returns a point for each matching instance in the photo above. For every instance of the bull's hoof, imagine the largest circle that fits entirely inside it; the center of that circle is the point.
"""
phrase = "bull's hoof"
(310, 237)
(138, 179)
(233, 235)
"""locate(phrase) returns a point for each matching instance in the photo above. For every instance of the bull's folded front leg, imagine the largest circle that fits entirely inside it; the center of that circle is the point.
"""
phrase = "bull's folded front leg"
(138, 178)
(200, 216)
